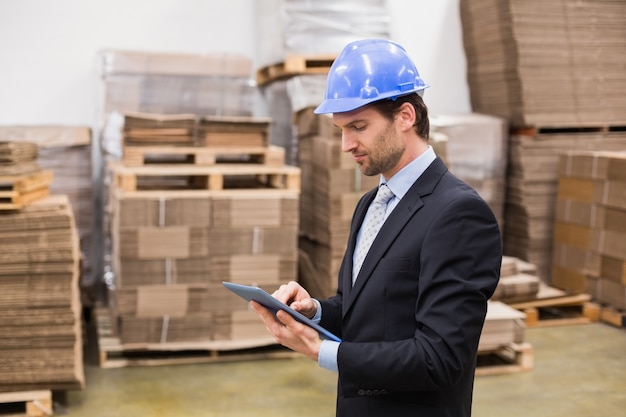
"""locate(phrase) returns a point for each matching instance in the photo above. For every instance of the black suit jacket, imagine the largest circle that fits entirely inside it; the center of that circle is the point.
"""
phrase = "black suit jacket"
(412, 322)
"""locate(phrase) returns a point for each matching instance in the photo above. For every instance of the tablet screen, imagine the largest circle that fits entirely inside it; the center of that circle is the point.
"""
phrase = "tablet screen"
(257, 294)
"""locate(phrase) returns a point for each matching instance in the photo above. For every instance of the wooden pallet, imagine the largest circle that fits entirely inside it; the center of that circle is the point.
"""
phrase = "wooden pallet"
(17, 191)
(556, 130)
(613, 316)
(26, 403)
(135, 156)
(516, 357)
(113, 354)
(553, 307)
(294, 65)
(213, 177)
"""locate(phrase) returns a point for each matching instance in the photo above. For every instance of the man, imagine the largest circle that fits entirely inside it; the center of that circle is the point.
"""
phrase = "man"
(411, 316)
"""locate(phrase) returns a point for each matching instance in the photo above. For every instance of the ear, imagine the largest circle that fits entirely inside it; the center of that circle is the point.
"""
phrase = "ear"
(406, 116)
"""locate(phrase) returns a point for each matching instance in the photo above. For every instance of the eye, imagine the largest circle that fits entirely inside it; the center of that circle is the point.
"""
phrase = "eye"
(359, 128)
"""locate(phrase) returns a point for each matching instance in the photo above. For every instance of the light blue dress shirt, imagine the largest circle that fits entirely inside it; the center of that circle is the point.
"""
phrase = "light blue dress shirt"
(399, 184)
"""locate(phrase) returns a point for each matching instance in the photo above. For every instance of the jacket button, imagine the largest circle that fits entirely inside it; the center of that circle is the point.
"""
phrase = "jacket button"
(361, 392)
(368, 392)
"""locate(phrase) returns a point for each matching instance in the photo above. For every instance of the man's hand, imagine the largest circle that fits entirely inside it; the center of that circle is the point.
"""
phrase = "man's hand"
(289, 332)
(296, 297)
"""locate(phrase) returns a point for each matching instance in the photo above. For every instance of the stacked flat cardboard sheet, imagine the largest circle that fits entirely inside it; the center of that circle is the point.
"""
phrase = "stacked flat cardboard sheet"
(18, 158)
(158, 129)
(503, 326)
(531, 196)
(234, 131)
(40, 308)
(590, 228)
(518, 281)
(189, 130)
(332, 184)
(558, 63)
(13, 152)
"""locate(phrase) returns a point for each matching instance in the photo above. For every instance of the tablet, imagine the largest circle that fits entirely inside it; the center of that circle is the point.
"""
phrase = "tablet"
(257, 294)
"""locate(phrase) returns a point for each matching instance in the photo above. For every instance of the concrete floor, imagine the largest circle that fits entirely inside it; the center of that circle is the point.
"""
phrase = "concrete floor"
(580, 370)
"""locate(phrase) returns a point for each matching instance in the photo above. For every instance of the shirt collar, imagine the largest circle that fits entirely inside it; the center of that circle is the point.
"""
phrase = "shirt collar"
(400, 183)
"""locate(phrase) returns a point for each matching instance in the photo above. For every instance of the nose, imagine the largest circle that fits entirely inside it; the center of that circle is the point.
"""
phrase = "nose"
(348, 143)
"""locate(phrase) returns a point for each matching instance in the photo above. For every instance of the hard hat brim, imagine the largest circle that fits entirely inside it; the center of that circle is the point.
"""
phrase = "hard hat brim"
(343, 105)
(339, 106)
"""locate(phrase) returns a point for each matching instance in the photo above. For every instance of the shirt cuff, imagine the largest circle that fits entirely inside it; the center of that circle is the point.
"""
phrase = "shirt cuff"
(327, 357)
(318, 312)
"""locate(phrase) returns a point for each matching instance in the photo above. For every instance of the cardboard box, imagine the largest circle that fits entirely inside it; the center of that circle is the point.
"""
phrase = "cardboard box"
(612, 293)
(263, 270)
(572, 235)
(611, 194)
(613, 269)
(569, 279)
(608, 242)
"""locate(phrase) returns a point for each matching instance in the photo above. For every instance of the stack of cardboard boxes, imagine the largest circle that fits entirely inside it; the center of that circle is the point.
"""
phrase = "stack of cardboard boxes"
(195, 224)
(554, 70)
(40, 305)
(590, 227)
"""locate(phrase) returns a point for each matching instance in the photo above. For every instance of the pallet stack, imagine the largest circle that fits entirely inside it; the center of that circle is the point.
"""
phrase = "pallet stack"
(40, 308)
(547, 64)
(159, 94)
(559, 92)
(40, 304)
(226, 211)
(590, 228)
(532, 184)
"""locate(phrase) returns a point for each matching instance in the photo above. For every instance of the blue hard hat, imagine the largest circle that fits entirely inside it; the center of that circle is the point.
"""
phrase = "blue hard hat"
(369, 70)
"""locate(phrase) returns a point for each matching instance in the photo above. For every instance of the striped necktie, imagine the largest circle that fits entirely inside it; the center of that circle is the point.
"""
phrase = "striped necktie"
(369, 229)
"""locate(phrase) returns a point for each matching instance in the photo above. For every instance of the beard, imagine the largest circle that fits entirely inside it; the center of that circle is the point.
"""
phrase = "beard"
(384, 155)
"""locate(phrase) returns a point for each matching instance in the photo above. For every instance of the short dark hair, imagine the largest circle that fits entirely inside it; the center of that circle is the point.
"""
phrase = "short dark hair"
(389, 108)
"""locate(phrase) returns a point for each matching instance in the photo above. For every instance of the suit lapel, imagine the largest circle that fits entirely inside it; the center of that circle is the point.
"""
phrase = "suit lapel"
(403, 212)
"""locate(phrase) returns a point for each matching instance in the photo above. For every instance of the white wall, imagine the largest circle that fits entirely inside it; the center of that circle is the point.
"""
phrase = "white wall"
(48, 48)
(431, 32)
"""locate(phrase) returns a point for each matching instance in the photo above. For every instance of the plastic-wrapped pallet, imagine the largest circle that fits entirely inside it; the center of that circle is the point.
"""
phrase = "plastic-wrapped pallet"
(316, 27)
(476, 152)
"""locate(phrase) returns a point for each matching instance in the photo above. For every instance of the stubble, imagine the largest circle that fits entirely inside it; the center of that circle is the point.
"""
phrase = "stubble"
(385, 154)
